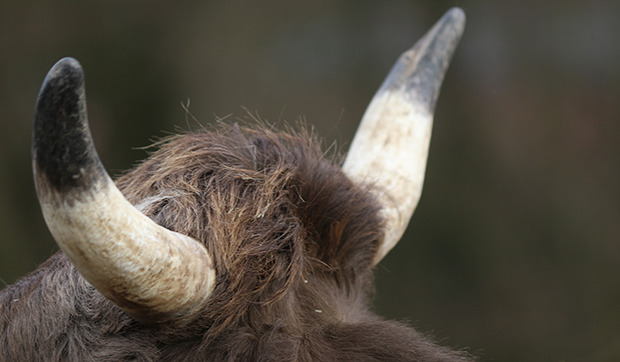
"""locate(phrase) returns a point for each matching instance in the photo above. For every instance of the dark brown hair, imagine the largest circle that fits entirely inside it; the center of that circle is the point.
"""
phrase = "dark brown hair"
(292, 240)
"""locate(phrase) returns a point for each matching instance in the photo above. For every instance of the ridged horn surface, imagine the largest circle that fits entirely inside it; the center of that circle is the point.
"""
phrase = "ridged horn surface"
(390, 147)
(152, 273)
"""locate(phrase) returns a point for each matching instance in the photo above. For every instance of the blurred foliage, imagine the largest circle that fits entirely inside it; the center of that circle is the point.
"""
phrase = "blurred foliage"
(514, 250)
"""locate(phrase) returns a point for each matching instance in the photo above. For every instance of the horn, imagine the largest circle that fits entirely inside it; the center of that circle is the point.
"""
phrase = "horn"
(154, 274)
(390, 147)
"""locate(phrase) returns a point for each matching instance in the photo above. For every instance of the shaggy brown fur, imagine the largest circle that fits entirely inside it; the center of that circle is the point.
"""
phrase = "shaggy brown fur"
(292, 239)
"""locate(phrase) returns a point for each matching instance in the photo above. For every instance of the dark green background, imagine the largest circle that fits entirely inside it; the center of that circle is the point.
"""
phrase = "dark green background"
(514, 250)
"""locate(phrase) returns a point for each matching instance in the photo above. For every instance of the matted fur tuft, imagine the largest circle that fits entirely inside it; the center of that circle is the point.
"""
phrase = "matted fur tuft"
(292, 239)
(272, 211)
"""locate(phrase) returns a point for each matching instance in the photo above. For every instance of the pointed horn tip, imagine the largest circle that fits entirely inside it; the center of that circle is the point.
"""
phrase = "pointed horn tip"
(61, 143)
(452, 21)
(456, 17)
(455, 14)
(65, 68)
(67, 63)
(449, 28)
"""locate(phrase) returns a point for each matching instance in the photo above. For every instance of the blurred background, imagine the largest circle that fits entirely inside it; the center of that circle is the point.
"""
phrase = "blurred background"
(514, 250)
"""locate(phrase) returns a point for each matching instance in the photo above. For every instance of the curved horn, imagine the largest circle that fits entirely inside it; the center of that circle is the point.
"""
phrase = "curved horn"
(152, 273)
(391, 144)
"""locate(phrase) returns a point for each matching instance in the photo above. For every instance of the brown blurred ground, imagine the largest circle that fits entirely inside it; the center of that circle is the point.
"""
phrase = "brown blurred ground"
(514, 250)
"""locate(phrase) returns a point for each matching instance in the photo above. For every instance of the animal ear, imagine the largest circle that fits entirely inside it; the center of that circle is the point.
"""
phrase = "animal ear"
(390, 147)
(150, 272)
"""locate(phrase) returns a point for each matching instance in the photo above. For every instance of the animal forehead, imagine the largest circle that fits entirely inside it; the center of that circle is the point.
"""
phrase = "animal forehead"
(259, 174)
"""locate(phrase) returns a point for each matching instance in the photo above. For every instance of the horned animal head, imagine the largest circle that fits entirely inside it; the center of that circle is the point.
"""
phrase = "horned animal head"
(240, 239)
